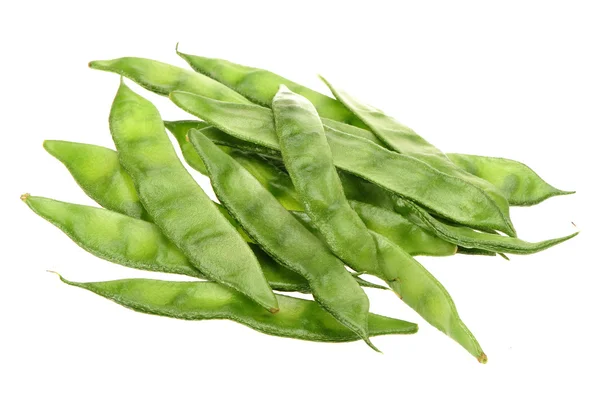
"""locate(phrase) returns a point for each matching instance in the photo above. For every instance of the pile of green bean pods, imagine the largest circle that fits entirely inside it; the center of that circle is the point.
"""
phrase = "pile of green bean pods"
(313, 191)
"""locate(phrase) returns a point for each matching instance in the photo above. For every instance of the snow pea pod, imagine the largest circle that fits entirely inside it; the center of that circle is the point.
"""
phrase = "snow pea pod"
(260, 86)
(404, 140)
(176, 203)
(309, 162)
(284, 238)
(448, 196)
(469, 238)
(139, 244)
(297, 318)
(518, 183)
(82, 162)
(162, 78)
(419, 289)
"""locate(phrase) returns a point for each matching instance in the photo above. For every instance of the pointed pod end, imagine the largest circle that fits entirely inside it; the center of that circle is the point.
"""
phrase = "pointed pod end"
(177, 47)
(482, 358)
(25, 196)
(368, 342)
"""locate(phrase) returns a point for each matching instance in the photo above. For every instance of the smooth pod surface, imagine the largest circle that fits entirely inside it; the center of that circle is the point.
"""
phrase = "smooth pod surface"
(162, 78)
(297, 318)
(518, 183)
(284, 238)
(176, 203)
(309, 162)
(447, 196)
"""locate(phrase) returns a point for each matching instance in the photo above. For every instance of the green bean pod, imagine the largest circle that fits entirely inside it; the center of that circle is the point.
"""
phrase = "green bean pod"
(260, 86)
(410, 237)
(94, 175)
(404, 140)
(451, 198)
(176, 203)
(162, 78)
(139, 244)
(518, 183)
(297, 318)
(284, 238)
(82, 162)
(469, 238)
(419, 289)
(309, 162)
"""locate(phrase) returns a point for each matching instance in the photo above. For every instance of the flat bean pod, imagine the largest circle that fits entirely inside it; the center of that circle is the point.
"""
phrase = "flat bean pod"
(309, 162)
(176, 203)
(260, 86)
(469, 238)
(404, 140)
(520, 184)
(419, 289)
(410, 237)
(447, 196)
(107, 184)
(139, 244)
(95, 175)
(297, 318)
(162, 78)
(284, 238)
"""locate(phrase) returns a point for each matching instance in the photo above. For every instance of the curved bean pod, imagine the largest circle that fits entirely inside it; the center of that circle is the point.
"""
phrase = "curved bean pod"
(410, 237)
(297, 318)
(284, 238)
(422, 292)
(107, 184)
(260, 86)
(469, 238)
(309, 162)
(518, 183)
(96, 177)
(162, 78)
(451, 198)
(138, 244)
(404, 140)
(176, 203)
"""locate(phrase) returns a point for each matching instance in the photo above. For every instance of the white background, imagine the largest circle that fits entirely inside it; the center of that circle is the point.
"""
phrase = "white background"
(514, 79)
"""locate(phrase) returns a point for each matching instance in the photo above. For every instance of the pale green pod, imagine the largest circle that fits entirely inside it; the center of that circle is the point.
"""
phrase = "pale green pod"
(422, 292)
(469, 238)
(448, 196)
(177, 204)
(518, 183)
(162, 78)
(309, 162)
(108, 184)
(284, 238)
(297, 318)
